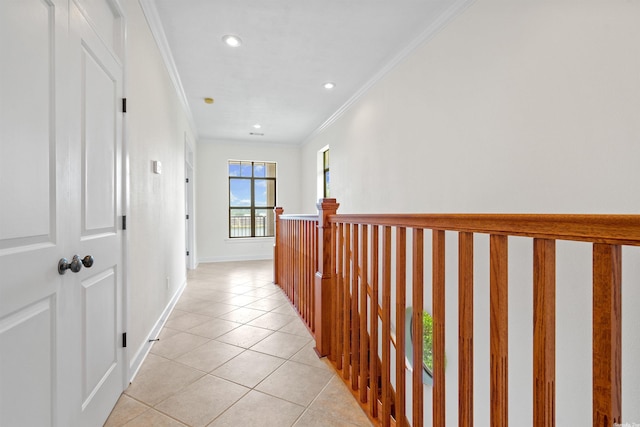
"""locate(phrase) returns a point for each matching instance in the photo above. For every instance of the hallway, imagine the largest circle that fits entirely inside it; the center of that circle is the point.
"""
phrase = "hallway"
(235, 353)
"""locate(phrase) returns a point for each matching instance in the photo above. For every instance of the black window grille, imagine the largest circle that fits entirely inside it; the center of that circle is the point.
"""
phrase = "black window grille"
(252, 198)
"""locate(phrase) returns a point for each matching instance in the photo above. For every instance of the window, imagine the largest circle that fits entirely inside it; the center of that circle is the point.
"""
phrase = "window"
(252, 198)
(325, 173)
(427, 344)
(323, 180)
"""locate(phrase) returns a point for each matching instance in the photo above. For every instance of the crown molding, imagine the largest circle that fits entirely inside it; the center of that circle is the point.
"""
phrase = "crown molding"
(456, 8)
(155, 25)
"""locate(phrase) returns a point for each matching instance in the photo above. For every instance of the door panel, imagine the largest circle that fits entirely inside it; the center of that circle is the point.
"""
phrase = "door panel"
(100, 345)
(26, 368)
(27, 94)
(99, 143)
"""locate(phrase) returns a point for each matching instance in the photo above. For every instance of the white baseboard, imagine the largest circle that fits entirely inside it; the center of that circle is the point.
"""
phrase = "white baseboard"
(257, 257)
(143, 350)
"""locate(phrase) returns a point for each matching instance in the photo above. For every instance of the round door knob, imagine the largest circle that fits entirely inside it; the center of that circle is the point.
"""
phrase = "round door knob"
(87, 261)
(75, 265)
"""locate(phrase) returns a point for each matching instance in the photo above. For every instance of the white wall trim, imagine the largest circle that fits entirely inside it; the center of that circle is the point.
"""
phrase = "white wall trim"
(456, 8)
(155, 25)
(249, 240)
(256, 257)
(217, 141)
(145, 348)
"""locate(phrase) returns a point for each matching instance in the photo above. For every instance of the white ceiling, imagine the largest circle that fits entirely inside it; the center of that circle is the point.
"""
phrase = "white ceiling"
(290, 49)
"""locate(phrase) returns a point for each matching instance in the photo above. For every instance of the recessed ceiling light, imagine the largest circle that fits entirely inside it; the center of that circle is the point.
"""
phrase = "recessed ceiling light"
(208, 100)
(257, 126)
(329, 85)
(231, 40)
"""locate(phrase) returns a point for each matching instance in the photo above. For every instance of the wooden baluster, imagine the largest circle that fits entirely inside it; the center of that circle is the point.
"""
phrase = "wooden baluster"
(313, 263)
(285, 259)
(386, 327)
(300, 269)
(316, 269)
(417, 325)
(465, 329)
(290, 261)
(290, 269)
(293, 264)
(607, 335)
(340, 362)
(439, 410)
(299, 265)
(282, 254)
(306, 272)
(499, 330)
(401, 307)
(544, 332)
(373, 339)
(310, 275)
(301, 272)
(323, 292)
(346, 372)
(335, 290)
(364, 284)
(277, 248)
(355, 317)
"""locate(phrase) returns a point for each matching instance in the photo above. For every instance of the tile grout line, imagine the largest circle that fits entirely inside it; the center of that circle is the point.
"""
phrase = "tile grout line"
(274, 299)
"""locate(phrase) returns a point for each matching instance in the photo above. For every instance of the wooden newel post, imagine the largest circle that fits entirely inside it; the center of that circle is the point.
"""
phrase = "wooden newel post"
(324, 277)
(277, 247)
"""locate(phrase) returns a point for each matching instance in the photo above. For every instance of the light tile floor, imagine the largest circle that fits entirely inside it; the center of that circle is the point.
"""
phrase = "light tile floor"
(235, 353)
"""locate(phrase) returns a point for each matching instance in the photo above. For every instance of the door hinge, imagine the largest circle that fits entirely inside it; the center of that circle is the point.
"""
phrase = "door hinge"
(124, 339)
(124, 105)
(187, 216)
(187, 253)
(187, 180)
(124, 222)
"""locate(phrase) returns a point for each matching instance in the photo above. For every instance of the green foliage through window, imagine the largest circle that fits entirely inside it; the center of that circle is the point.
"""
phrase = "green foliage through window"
(427, 342)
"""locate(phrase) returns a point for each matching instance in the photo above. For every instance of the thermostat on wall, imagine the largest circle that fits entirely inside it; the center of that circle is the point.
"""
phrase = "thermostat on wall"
(157, 167)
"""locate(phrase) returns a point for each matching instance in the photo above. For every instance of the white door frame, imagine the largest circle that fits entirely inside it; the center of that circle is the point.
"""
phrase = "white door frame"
(190, 224)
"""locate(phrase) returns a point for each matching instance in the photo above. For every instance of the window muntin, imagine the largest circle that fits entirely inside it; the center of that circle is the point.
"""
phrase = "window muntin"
(252, 198)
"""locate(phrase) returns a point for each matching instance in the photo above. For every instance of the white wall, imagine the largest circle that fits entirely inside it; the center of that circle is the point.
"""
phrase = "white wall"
(527, 106)
(156, 126)
(212, 195)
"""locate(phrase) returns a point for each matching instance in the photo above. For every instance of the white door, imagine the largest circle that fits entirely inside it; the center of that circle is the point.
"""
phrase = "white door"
(61, 357)
(33, 207)
(95, 293)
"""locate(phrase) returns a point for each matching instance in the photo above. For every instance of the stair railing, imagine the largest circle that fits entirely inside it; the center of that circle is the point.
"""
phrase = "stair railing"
(337, 271)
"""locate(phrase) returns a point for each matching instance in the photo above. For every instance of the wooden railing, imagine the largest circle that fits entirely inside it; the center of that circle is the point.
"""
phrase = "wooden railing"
(295, 258)
(364, 262)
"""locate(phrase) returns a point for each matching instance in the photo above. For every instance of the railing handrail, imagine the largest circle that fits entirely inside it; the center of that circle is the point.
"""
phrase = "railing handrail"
(599, 228)
(301, 217)
(362, 257)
